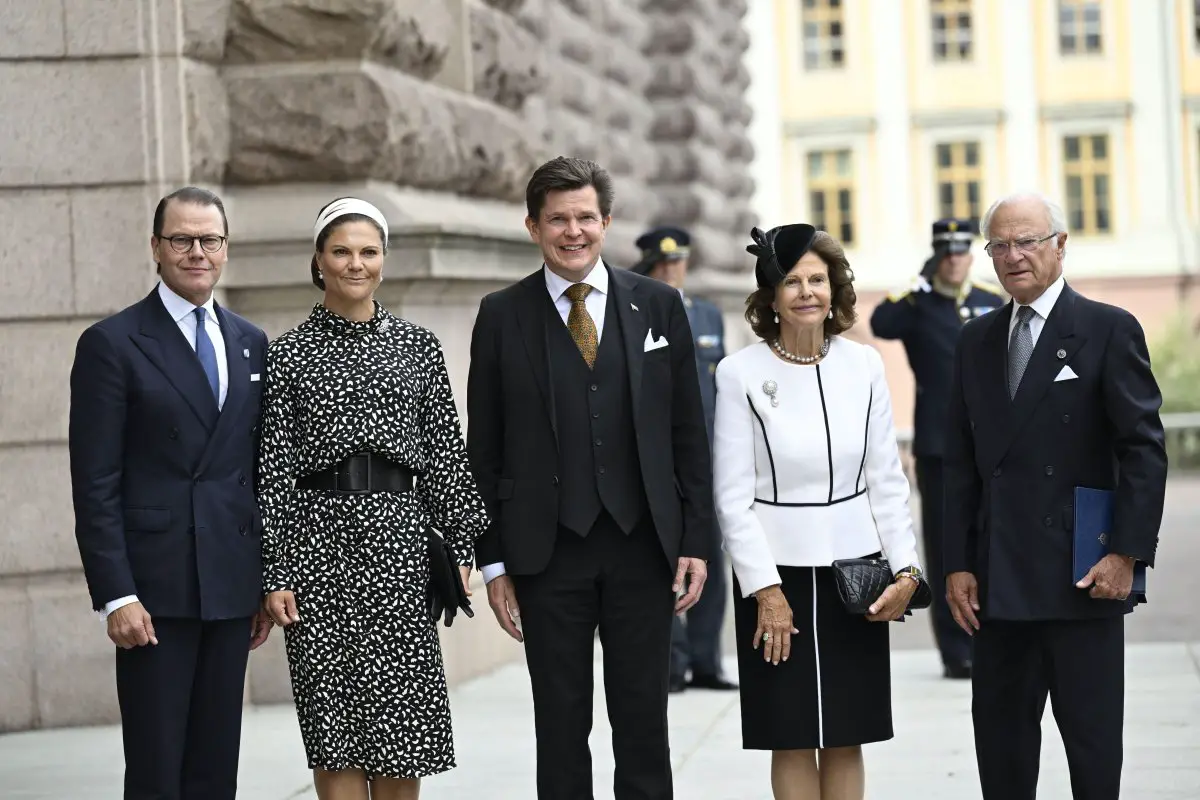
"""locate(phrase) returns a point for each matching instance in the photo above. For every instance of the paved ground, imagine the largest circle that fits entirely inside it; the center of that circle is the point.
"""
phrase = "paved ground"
(933, 748)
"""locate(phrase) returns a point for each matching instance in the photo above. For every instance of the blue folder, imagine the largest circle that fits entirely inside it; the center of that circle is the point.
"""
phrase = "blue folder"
(1093, 529)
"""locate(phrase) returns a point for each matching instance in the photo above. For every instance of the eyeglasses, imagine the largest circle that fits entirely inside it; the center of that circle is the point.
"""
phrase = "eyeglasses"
(209, 243)
(1000, 249)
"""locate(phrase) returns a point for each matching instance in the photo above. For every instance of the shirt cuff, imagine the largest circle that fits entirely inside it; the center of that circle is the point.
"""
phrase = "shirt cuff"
(113, 605)
(492, 571)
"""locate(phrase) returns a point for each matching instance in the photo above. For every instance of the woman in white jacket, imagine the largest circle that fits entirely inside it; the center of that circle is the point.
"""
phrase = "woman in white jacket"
(806, 472)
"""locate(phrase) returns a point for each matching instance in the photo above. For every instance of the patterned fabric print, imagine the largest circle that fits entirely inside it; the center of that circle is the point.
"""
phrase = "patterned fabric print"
(580, 323)
(365, 659)
(1020, 348)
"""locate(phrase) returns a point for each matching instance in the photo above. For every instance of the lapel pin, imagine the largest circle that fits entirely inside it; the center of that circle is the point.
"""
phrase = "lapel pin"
(1062, 353)
(246, 353)
(631, 305)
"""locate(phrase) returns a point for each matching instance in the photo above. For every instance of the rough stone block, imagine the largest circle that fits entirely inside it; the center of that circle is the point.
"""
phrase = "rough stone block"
(33, 280)
(18, 705)
(52, 143)
(739, 147)
(207, 123)
(104, 28)
(691, 162)
(625, 110)
(32, 29)
(506, 58)
(35, 368)
(75, 666)
(35, 493)
(624, 21)
(574, 37)
(674, 78)
(532, 17)
(573, 86)
(205, 26)
(694, 204)
(507, 6)
(332, 123)
(572, 134)
(110, 229)
(624, 63)
(682, 121)
(411, 35)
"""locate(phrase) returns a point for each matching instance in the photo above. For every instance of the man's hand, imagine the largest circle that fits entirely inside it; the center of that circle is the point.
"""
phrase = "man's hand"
(130, 626)
(1110, 579)
(502, 597)
(282, 608)
(962, 594)
(465, 572)
(696, 572)
(260, 628)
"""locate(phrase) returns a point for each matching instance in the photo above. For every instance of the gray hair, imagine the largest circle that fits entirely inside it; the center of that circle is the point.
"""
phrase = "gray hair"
(1054, 212)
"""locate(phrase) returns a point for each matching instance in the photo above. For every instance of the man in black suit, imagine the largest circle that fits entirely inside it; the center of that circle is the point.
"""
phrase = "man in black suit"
(587, 439)
(1051, 392)
(165, 399)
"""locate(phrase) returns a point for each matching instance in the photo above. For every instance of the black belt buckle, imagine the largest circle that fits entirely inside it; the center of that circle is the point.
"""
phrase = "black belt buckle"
(353, 476)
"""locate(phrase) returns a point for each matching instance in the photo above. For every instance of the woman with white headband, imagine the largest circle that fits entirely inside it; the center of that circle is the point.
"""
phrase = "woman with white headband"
(361, 454)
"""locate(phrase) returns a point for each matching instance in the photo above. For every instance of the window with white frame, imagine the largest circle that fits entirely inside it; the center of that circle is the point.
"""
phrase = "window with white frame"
(823, 23)
(958, 173)
(951, 29)
(1087, 174)
(831, 193)
(1079, 30)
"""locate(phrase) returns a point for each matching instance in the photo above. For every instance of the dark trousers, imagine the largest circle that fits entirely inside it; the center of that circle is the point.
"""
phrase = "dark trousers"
(620, 584)
(181, 710)
(1081, 666)
(952, 641)
(696, 643)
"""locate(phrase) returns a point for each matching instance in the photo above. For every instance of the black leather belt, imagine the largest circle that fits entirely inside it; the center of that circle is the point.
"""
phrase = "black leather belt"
(360, 473)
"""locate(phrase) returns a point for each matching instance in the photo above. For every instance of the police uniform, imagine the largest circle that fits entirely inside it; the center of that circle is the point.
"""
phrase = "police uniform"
(928, 318)
(696, 644)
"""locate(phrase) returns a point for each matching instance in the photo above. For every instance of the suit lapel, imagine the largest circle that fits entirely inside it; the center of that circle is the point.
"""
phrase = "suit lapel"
(164, 345)
(1055, 347)
(531, 319)
(993, 377)
(634, 325)
(238, 375)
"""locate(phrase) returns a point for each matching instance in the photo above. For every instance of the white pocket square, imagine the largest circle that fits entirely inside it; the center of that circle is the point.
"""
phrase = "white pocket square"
(1066, 374)
(254, 377)
(653, 344)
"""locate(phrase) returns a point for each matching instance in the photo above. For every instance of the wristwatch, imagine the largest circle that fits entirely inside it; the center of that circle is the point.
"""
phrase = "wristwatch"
(910, 572)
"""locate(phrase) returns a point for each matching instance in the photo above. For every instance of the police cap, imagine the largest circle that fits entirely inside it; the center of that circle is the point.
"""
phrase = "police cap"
(661, 244)
(953, 235)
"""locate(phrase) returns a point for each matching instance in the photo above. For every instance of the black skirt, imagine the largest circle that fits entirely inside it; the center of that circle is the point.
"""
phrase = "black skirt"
(835, 690)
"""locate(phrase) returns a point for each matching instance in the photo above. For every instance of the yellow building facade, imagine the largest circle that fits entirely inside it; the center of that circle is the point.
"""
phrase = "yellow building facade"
(875, 117)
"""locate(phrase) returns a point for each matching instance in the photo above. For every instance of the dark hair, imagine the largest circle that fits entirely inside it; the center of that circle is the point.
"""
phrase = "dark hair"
(323, 237)
(761, 316)
(565, 174)
(192, 195)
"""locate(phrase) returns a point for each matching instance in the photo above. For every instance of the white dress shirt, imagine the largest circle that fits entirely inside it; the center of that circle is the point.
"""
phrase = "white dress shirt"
(182, 312)
(595, 302)
(1041, 310)
(815, 478)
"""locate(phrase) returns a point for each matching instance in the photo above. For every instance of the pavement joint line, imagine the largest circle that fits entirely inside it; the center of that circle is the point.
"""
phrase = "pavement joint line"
(703, 737)
(1192, 648)
(300, 793)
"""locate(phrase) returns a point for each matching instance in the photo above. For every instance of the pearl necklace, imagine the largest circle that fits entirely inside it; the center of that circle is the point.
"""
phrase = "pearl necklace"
(801, 359)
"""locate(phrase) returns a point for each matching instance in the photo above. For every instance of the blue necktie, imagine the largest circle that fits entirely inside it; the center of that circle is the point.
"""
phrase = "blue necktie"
(207, 355)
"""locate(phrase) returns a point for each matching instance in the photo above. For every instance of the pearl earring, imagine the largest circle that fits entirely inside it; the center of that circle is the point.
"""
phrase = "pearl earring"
(831, 313)
(776, 317)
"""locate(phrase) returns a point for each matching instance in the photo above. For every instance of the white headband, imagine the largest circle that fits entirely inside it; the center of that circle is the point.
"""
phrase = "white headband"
(349, 205)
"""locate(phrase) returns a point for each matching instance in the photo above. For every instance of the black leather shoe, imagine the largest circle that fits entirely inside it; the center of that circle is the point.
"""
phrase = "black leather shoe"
(957, 670)
(676, 685)
(715, 682)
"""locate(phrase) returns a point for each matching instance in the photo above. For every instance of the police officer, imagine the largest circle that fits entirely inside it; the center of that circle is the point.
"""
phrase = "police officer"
(696, 644)
(928, 317)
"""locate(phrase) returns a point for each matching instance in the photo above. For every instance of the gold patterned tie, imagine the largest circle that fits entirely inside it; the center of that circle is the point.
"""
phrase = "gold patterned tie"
(580, 324)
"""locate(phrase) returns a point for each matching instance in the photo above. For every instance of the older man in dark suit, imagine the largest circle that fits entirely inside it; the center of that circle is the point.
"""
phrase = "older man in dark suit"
(1051, 392)
(586, 437)
(165, 399)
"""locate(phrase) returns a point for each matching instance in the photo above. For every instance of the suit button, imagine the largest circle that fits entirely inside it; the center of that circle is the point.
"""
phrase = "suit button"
(996, 472)
(242, 530)
(593, 387)
(241, 480)
(1048, 521)
(554, 480)
(599, 442)
(595, 415)
(1066, 417)
(174, 433)
(600, 470)
(196, 481)
(1049, 470)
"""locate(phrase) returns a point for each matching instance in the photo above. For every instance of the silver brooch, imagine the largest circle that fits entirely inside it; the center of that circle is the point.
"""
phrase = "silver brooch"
(1062, 354)
(769, 389)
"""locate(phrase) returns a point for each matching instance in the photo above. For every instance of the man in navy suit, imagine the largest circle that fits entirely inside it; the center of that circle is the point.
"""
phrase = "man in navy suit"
(1051, 392)
(165, 399)
(696, 644)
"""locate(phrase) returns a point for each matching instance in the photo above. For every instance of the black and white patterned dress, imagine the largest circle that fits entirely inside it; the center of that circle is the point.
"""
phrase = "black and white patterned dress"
(366, 664)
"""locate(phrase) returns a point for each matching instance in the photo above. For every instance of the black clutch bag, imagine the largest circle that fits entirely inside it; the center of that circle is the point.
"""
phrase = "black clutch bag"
(446, 594)
(861, 581)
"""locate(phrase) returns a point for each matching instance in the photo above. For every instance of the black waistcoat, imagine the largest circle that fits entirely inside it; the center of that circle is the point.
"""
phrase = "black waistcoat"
(597, 446)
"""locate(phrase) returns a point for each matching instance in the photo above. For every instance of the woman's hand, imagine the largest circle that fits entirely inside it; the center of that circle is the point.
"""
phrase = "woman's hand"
(465, 572)
(774, 624)
(282, 607)
(894, 600)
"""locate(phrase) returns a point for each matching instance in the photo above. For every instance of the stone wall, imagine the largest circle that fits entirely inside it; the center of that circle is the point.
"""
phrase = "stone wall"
(436, 111)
